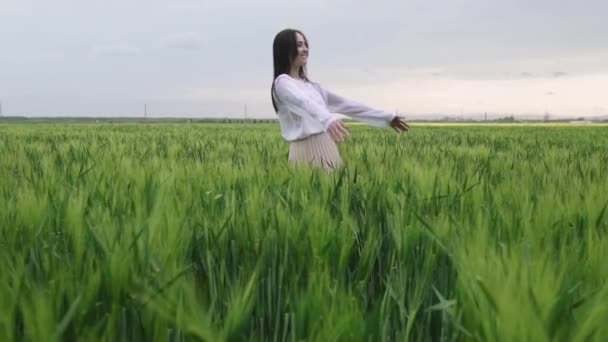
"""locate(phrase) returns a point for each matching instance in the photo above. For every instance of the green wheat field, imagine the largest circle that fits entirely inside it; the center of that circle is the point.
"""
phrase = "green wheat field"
(204, 232)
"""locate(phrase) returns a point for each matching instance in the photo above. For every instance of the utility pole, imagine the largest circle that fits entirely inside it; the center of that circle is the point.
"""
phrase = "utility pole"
(0, 108)
(245, 112)
(145, 111)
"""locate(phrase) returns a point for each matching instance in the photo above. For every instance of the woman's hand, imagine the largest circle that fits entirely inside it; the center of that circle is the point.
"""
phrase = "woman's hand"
(338, 131)
(399, 125)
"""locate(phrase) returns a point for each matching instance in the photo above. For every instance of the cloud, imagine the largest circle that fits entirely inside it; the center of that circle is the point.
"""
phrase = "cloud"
(184, 41)
(415, 46)
(557, 74)
(120, 50)
(428, 71)
(534, 95)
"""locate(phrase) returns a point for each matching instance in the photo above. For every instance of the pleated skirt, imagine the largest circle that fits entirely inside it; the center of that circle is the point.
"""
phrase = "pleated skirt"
(318, 150)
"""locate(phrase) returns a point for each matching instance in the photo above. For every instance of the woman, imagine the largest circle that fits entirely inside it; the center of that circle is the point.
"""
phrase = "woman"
(305, 108)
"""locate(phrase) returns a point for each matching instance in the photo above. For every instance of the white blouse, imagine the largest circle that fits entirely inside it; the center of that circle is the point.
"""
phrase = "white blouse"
(305, 108)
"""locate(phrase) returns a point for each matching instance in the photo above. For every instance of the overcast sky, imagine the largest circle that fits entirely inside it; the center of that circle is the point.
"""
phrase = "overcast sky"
(211, 58)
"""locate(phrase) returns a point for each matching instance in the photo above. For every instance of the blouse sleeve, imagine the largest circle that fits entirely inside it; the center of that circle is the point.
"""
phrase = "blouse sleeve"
(300, 103)
(356, 110)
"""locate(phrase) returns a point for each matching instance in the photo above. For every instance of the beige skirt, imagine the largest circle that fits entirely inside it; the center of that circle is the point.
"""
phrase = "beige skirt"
(317, 150)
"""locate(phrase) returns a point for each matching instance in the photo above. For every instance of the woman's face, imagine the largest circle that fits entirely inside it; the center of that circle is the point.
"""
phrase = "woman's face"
(302, 57)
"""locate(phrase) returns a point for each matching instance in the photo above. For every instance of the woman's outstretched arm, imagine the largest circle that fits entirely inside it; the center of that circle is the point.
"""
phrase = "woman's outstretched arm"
(356, 110)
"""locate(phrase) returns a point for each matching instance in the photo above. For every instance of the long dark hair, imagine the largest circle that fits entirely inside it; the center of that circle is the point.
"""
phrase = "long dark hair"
(284, 51)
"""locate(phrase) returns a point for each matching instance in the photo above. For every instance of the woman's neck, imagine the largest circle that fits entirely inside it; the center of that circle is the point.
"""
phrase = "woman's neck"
(295, 73)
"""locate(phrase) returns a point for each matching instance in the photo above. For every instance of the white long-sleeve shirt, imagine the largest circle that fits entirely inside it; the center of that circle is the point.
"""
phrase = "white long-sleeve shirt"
(305, 108)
